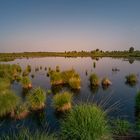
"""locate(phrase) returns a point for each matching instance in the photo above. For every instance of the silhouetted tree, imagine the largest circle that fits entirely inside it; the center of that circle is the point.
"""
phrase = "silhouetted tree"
(131, 50)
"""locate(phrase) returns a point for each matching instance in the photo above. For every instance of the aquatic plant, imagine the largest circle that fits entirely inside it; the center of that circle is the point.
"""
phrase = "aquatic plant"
(21, 111)
(62, 101)
(32, 75)
(94, 80)
(69, 77)
(28, 68)
(106, 82)
(10, 72)
(131, 79)
(36, 98)
(26, 82)
(121, 127)
(85, 122)
(94, 64)
(8, 102)
(75, 83)
(25, 134)
(56, 78)
(45, 68)
(25, 73)
(4, 84)
(57, 69)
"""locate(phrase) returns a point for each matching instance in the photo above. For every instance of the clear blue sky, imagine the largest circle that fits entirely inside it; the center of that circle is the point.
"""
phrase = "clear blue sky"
(59, 25)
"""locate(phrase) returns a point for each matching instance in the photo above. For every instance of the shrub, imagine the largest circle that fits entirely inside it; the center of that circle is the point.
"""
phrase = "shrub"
(36, 99)
(62, 102)
(131, 79)
(85, 122)
(8, 102)
(121, 127)
(26, 82)
(74, 83)
(94, 80)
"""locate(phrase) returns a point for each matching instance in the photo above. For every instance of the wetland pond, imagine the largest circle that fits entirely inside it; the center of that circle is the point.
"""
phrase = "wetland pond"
(119, 97)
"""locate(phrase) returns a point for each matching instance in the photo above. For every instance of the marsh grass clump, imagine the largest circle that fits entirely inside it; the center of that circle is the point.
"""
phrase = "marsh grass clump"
(75, 83)
(57, 69)
(26, 82)
(8, 102)
(21, 111)
(4, 84)
(10, 72)
(62, 101)
(56, 78)
(121, 127)
(106, 82)
(85, 122)
(36, 99)
(69, 77)
(25, 134)
(28, 68)
(94, 80)
(131, 79)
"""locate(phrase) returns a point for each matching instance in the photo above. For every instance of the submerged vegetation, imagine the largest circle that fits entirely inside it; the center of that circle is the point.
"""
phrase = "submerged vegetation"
(62, 101)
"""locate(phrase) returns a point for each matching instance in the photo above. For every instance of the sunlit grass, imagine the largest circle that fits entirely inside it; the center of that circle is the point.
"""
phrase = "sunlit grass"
(62, 101)
(8, 102)
(85, 122)
(36, 98)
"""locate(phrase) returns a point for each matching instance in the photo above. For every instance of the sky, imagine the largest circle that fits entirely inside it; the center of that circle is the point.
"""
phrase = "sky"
(66, 25)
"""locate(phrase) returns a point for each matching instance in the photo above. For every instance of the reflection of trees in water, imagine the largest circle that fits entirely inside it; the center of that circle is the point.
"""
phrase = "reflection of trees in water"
(131, 60)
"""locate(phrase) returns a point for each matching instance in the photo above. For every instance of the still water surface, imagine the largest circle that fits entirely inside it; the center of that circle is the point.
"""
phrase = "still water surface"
(120, 97)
